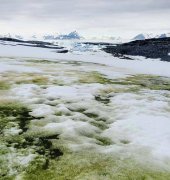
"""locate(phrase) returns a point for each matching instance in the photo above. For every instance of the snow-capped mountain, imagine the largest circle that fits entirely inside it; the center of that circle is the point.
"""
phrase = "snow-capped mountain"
(15, 36)
(143, 36)
(109, 39)
(49, 37)
(149, 36)
(33, 37)
(71, 36)
(19, 37)
(5, 35)
(164, 35)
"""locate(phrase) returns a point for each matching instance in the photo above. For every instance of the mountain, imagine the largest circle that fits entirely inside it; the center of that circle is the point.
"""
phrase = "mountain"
(143, 37)
(49, 37)
(15, 36)
(33, 37)
(164, 35)
(150, 36)
(18, 37)
(106, 39)
(5, 35)
(72, 35)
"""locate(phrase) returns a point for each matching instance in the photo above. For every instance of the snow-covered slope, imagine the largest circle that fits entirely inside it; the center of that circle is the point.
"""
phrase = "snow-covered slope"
(107, 118)
(77, 53)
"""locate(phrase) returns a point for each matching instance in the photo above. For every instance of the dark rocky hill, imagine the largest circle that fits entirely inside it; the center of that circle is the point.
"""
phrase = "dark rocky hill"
(150, 48)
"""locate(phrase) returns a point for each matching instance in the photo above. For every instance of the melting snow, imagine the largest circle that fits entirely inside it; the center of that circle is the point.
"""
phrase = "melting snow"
(130, 120)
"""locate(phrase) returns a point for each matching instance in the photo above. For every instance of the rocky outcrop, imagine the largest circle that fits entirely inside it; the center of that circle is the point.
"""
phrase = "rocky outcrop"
(149, 48)
(40, 44)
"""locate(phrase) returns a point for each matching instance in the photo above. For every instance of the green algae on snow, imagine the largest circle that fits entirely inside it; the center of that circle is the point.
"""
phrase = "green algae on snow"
(15, 118)
(93, 77)
(51, 161)
(4, 85)
(91, 165)
(137, 81)
(130, 84)
(146, 81)
(100, 124)
(38, 80)
(12, 116)
(13, 112)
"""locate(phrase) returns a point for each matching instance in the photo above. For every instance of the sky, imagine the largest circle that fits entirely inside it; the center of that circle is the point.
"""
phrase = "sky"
(91, 18)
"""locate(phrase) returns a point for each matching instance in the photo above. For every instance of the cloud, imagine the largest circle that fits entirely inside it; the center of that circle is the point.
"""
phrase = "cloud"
(89, 15)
